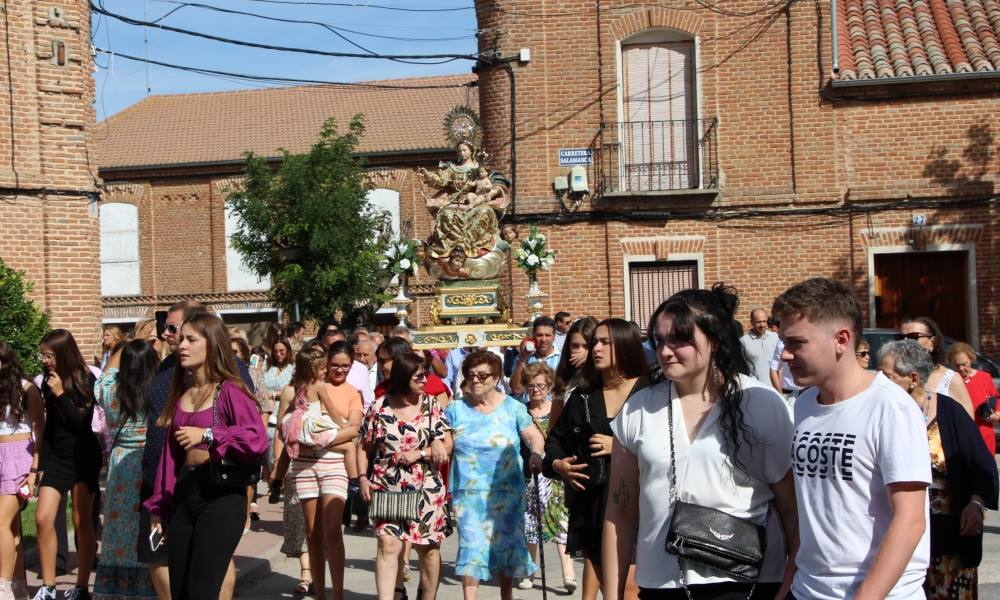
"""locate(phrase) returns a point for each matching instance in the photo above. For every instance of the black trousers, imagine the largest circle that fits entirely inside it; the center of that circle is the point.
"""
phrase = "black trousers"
(713, 591)
(205, 528)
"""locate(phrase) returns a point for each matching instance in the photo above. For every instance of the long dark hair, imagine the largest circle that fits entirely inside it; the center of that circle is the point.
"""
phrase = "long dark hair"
(404, 367)
(626, 347)
(71, 367)
(11, 391)
(937, 353)
(289, 355)
(568, 376)
(220, 362)
(712, 311)
(135, 375)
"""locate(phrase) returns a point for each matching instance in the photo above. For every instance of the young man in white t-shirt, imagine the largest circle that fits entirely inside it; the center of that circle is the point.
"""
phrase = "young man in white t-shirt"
(857, 457)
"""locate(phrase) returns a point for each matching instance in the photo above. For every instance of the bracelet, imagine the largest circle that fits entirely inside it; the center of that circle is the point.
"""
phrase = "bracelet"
(360, 477)
(33, 470)
(978, 503)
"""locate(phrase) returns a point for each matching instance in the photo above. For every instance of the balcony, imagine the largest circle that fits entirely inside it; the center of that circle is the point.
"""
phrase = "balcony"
(651, 158)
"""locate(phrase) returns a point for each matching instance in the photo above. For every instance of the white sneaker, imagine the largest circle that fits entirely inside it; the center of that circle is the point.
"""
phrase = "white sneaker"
(525, 584)
(45, 593)
(570, 584)
(6, 590)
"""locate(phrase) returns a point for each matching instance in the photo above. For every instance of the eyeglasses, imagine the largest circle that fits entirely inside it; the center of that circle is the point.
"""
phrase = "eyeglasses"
(538, 386)
(420, 376)
(862, 354)
(479, 376)
(339, 367)
(915, 335)
(43, 356)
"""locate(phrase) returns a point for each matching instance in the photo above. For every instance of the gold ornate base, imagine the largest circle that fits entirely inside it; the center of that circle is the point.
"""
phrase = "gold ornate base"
(467, 301)
(459, 336)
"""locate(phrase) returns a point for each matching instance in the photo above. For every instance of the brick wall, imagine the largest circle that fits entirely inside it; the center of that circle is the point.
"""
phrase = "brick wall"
(837, 169)
(47, 225)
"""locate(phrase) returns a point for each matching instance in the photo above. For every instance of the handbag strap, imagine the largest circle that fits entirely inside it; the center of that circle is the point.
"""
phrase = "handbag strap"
(215, 404)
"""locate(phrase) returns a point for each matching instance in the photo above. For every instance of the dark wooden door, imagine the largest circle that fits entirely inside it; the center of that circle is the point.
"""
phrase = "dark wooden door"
(928, 284)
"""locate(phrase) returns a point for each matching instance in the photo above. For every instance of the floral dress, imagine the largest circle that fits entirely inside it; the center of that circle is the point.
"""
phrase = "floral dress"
(120, 575)
(555, 517)
(390, 436)
(488, 492)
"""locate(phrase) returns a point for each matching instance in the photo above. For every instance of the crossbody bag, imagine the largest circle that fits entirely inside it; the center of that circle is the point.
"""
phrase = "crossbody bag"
(230, 473)
(404, 505)
(734, 546)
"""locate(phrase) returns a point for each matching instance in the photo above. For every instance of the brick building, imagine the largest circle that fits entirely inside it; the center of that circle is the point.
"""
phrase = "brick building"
(167, 162)
(48, 212)
(755, 143)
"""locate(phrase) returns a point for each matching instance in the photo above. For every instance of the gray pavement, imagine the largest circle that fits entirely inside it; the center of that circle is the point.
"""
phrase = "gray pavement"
(359, 575)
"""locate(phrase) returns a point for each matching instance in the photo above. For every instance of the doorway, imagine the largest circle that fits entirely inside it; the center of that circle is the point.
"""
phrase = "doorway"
(931, 284)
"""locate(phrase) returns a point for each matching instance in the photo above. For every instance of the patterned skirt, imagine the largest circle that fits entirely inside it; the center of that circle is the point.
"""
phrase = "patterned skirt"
(947, 579)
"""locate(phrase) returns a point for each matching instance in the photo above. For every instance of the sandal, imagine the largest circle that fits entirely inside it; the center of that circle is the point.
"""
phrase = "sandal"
(254, 512)
(305, 586)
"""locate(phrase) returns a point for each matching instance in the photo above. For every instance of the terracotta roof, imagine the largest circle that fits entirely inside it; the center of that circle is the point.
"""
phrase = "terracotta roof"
(221, 126)
(881, 39)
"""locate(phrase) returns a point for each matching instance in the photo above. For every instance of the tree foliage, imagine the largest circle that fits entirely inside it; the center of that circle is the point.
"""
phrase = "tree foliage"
(22, 323)
(315, 206)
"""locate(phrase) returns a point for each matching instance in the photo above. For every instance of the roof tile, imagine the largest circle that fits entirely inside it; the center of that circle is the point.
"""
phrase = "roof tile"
(222, 126)
(881, 39)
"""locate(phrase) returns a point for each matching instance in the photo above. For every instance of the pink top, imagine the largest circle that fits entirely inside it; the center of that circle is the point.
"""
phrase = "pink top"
(240, 435)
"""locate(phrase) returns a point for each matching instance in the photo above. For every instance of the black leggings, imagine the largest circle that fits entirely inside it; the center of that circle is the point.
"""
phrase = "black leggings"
(205, 528)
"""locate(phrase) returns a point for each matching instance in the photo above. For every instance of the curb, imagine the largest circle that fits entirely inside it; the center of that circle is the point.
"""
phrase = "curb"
(252, 568)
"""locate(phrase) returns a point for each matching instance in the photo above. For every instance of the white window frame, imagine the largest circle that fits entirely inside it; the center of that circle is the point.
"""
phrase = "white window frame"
(652, 36)
(238, 275)
(628, 259)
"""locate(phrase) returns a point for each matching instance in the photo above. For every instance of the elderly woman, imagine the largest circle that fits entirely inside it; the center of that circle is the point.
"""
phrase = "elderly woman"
(487, 480)
(964, 476)
(548, 498)
(981, 390)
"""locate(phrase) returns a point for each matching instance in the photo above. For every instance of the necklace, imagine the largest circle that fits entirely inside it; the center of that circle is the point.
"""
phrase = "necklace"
(927, 408)
(613, 381)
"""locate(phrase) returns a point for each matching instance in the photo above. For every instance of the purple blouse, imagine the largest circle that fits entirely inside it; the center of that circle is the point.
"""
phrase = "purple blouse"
(240, 435)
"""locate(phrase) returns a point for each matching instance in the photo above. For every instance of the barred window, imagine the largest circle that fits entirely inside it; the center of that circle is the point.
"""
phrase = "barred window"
(650, 283)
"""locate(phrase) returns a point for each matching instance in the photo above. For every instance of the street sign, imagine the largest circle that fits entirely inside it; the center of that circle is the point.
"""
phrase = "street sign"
(569, 157)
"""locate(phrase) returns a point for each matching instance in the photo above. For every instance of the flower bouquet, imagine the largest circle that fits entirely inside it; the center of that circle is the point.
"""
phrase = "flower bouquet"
(534, 255)
(401, 258)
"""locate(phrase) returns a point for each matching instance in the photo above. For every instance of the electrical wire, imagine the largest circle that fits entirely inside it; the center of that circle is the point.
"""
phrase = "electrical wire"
(377, 6)
(99, 9)
(325, 25)
(330, 28)
(285, 80)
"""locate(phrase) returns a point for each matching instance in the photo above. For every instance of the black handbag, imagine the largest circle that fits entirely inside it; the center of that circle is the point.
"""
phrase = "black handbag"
(597, 466)
(231, 473)
(731, 545)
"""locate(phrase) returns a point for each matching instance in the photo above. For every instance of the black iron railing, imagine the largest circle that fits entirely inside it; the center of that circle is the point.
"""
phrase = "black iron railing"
(656, 156)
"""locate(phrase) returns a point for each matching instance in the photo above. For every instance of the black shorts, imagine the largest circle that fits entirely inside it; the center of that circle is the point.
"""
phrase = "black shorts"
(144, 552)
(62, 474)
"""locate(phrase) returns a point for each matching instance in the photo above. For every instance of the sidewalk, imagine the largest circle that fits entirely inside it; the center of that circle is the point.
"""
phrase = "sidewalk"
(253, 556)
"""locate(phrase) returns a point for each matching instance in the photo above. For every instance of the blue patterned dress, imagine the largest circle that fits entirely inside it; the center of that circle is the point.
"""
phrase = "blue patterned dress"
(487, 486)
(120, 575)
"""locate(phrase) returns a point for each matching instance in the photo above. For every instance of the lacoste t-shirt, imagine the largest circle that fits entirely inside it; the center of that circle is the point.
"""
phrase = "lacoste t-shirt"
(843, 457)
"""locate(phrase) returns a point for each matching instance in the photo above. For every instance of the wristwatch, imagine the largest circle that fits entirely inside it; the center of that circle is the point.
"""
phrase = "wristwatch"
(423, 453)
(207, 436)
(978, 503)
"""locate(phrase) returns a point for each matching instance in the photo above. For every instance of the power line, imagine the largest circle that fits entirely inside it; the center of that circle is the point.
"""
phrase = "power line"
(355, 5)
(330, 28)
(326, 25)
(137, 22)
(285, 80)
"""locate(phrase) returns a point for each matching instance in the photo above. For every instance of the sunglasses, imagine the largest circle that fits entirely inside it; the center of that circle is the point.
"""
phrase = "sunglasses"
(912, 336)
(420, 376)
(173, 328)
(480, 376)
(862, 354)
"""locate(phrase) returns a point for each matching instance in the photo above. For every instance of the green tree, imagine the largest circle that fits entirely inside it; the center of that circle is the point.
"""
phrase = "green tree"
(308, 225)
(22, 324)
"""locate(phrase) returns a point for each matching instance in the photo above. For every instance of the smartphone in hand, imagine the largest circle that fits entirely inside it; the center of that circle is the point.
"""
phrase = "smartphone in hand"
(156, 539)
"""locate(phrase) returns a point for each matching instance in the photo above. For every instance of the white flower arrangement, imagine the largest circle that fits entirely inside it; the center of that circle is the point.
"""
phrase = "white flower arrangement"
(534, 255)
(401, 258)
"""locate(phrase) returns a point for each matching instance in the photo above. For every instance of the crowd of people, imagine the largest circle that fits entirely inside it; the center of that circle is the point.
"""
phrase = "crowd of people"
(697, 461)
